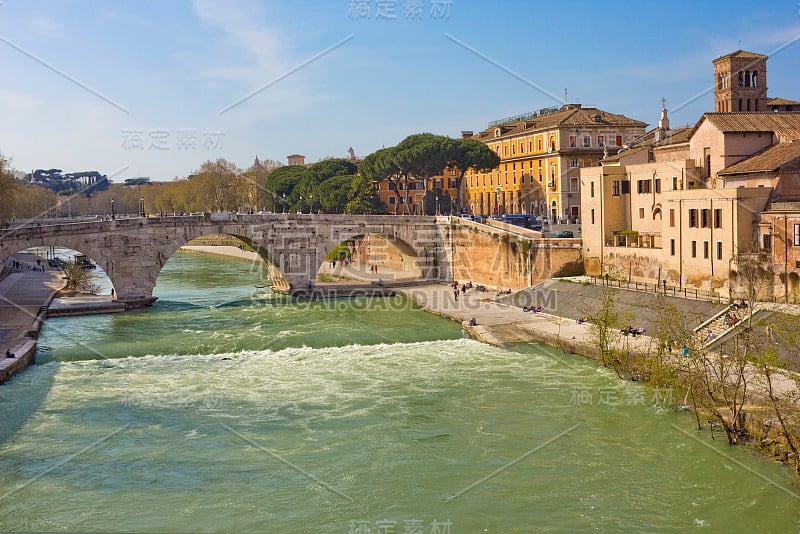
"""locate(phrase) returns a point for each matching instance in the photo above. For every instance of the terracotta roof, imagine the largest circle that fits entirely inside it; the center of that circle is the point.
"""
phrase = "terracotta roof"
(782, 102)
(780, 156)
(784, 124)
(742, 54)
(295, 156)
(570, 117)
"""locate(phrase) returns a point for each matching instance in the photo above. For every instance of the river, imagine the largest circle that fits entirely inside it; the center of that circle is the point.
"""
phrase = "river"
(224, 408)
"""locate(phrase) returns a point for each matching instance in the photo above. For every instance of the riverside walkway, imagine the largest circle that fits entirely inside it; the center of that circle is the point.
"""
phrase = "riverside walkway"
(24, 297)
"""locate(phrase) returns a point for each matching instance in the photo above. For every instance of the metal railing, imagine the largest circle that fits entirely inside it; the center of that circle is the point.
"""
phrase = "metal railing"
(659, 289)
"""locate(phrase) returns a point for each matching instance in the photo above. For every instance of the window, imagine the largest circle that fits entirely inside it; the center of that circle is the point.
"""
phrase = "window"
(626, 187)
(619, 140)
(705, 249)
(767, 240)
(505, 150)
(694, 249)
(573, 163)
(573, 141)
(675, 183)
(539, 145)
(672, 217)
(601, 141)
(658, 185)
(692, 218)
(391, 200)
(592, 214)
(671, 247)
(797, 235)
(513, 149)
(587, 141)
(591, 194)
(719, 250)
(705, 218)
(615, 188)
(641, 213)
(643, 186)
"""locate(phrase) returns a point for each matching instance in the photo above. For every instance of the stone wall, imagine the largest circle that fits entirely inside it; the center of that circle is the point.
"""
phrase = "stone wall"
(502, 260)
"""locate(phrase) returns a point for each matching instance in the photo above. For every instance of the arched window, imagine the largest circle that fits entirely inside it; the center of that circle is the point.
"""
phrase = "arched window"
(747, 78)
(740, 104)
(756, 109)
(720, 82)
(748, 104)
(755, 78)
(552, 143)
(741, 79)
(539, 145)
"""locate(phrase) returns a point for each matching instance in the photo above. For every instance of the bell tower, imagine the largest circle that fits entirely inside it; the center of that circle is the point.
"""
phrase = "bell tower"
(740, 82)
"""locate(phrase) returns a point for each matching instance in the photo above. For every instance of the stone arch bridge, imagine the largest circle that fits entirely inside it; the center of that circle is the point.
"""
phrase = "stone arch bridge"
(133, 251)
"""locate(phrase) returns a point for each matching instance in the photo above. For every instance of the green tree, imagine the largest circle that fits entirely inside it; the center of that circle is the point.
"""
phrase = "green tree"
(8, 189)
(363, 198)
(280, 185)
(381, 166)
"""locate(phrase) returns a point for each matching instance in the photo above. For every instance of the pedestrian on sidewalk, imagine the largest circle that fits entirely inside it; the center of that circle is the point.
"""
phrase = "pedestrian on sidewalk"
(455, 293)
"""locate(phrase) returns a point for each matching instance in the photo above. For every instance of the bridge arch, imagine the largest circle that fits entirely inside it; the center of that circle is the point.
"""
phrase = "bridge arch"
(385, 251)
(92, 250)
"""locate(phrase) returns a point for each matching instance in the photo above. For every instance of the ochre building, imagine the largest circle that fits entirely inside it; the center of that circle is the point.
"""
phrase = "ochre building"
(541, 154)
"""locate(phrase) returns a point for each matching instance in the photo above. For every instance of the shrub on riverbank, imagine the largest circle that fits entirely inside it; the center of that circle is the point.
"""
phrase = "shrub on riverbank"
(750, 391)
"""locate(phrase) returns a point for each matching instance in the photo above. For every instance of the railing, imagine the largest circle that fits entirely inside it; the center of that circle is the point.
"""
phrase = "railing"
(644, 240)
(670, 291)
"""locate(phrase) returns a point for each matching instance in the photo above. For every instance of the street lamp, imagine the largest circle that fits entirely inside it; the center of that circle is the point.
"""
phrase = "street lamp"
(311, 206)
(141, 207)
(284, 203)
(437, 205)
(113, 213)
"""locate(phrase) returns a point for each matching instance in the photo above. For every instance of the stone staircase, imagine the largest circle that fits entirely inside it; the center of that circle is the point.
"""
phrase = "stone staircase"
(720, 326)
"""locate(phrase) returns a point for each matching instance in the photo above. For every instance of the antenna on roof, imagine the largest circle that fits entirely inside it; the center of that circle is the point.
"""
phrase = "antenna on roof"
(565, 96)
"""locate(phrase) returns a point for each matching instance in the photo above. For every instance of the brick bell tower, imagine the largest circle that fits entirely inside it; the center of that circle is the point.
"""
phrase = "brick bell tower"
(740, 82)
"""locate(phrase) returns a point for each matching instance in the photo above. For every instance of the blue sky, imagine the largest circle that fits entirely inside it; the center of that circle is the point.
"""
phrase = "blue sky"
(154, 88)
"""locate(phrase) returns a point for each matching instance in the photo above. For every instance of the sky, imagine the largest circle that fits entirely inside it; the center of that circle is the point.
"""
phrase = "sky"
(154, 88)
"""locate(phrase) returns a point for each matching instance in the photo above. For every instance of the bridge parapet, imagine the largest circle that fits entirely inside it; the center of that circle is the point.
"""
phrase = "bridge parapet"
(132, 251)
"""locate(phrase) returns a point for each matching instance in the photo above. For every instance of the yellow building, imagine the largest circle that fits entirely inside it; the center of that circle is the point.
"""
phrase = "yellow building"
(541, 154)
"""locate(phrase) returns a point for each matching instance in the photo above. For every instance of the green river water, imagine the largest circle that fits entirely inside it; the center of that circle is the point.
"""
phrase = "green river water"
(224, 408)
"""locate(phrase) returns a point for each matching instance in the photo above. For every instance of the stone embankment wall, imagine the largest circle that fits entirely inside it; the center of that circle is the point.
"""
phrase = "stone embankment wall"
(500, 259)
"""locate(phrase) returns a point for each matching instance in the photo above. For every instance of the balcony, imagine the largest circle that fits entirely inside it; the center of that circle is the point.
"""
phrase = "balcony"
(628, 239)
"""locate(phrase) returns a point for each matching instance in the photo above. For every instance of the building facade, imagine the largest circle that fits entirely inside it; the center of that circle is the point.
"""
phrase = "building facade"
(688, 209)
(541, 154)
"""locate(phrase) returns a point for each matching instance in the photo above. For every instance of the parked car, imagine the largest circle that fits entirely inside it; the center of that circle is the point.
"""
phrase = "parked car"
(563, 233)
